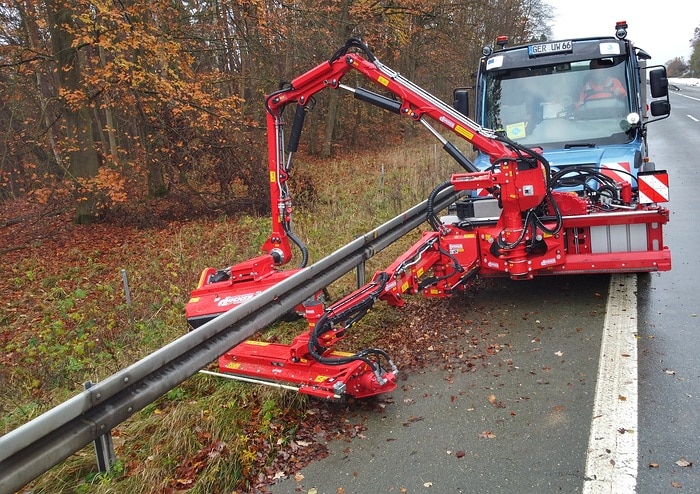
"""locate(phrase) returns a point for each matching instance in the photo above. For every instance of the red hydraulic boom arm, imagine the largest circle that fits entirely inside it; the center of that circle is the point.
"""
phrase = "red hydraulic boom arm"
(413, 102)
(539, 231)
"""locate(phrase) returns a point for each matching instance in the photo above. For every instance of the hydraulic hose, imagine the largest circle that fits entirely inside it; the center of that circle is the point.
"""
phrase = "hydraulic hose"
(297, 241)
(353, 43)
(431, 218)
(435, 279)
(350, 315)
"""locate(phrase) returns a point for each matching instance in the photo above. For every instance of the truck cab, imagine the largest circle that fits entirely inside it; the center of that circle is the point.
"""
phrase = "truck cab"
(584, 102)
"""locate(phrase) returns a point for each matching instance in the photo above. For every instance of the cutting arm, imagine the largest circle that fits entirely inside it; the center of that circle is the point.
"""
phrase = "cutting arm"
(532, 235)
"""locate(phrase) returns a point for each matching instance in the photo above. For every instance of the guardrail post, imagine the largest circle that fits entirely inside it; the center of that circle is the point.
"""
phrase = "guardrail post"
(104, 448)
(127, 294)
(360, 274)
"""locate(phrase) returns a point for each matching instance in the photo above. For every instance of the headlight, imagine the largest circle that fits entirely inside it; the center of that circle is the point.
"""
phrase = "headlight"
(633, 119)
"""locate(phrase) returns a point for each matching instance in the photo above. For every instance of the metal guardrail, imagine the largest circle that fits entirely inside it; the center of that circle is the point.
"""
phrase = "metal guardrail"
(35, 447)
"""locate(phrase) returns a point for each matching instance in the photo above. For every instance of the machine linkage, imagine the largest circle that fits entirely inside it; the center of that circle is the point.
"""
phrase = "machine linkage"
(547, 222)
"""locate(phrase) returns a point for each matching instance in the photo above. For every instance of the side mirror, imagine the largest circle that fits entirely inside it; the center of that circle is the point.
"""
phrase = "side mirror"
(461, 100)
(659, 87)
(660, 108)
(659, 83)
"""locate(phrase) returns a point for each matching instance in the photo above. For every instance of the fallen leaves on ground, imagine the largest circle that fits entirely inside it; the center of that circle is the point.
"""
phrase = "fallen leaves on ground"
(186, 473)
(423, 325)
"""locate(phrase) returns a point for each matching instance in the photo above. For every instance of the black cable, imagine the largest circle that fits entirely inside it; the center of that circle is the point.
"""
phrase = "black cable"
(435, 279)
(353, 43)
(526, 223)
(297, 241)
(582, 176)
(531, 218)
(282, 90)
(329, 318)
(548, 196)
(431, 218)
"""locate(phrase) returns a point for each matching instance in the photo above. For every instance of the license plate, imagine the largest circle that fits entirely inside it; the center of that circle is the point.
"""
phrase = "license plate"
(549, 48)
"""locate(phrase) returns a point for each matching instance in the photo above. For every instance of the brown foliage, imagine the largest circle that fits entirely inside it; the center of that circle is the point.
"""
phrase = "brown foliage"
(121, 102)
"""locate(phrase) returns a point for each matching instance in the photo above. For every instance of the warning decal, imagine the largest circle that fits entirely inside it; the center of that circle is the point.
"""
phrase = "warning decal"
(653, 187)
(619, 172)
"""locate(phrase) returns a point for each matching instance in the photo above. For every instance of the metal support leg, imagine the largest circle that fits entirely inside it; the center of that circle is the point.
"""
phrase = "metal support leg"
(360, 274)
(104, 448)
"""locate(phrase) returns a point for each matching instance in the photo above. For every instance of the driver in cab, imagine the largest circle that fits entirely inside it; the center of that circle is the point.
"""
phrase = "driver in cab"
(600, 84)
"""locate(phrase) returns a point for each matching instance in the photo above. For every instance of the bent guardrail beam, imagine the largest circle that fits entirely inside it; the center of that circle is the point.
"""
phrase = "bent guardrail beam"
(35, 447)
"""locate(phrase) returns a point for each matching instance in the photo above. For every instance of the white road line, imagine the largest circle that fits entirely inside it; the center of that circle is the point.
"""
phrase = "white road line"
(611, 461)
(692, 118)
(689, 97)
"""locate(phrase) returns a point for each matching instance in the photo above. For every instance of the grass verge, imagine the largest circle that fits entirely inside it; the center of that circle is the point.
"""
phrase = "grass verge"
(65, 320)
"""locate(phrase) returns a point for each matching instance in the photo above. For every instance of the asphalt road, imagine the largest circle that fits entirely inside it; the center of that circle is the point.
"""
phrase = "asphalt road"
(511, 406)
(669, 309)
(511, 415)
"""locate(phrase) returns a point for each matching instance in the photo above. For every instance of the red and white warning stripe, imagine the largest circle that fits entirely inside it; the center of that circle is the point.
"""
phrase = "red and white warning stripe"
(653, 187)
(619, 172)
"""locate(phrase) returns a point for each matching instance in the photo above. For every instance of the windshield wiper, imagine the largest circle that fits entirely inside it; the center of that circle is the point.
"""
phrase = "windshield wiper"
(581, 145)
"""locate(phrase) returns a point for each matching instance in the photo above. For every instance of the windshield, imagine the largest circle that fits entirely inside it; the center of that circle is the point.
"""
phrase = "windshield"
(573, 103)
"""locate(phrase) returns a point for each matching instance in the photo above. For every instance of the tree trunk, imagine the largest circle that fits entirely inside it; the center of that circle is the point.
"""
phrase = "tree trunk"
(83, 162)
(109, 118)
(331, 118)
(44, 91)
(344, 32)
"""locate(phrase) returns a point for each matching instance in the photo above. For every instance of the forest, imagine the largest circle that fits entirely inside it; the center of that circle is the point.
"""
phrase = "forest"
(107, 105)
(134, 149)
